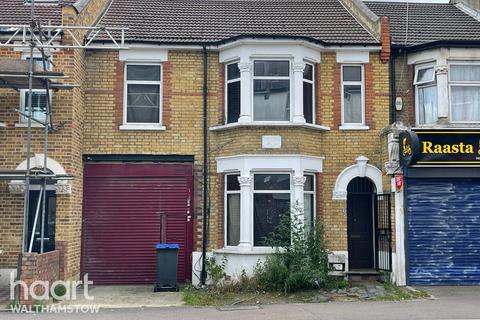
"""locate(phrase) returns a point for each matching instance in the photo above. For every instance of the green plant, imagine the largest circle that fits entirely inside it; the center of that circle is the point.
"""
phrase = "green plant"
(298, 264)
(216, 271)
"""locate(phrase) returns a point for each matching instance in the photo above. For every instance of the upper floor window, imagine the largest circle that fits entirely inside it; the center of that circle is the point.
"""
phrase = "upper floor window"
(143, 93)
(465, 92)
(233, 92)
(426, 94)
(308, 93)
(353, 105)
(271, 90)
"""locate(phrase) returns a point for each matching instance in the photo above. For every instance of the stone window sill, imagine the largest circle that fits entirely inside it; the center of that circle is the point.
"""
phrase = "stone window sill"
(143, 127)
(269, 124)
(25, 125)
(360, 127)
(252, 251)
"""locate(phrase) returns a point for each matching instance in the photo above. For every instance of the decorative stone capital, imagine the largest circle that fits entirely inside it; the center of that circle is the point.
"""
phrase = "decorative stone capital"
(299, 180)
(392, 167)
(441, 69)
(362, 165)
(298, 66)
(245, 66)
(19, 188)
(245, 181)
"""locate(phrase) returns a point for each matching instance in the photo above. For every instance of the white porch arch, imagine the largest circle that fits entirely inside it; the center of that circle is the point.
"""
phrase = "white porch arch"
(360, 169)
(37, 161)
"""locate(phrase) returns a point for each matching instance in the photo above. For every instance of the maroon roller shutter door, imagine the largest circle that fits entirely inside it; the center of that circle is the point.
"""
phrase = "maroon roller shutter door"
(128, 208)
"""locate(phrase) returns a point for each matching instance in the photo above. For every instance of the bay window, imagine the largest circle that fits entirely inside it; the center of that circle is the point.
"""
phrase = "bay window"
(233, 92)
(309, 202)
(426, 94)
(465, 92)
(308, 93)
(143, 93)
(353, 95)
(232, 199)
(271, 90)
(271, 202)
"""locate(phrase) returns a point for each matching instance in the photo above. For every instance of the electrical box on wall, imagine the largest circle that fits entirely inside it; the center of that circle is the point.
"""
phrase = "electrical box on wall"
(399, 103)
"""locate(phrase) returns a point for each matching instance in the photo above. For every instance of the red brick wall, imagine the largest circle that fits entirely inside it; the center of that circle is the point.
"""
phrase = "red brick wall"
(43, 267)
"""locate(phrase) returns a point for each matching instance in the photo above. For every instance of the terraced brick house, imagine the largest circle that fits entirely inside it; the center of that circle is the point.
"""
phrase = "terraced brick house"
(217, 118)
(436, 67)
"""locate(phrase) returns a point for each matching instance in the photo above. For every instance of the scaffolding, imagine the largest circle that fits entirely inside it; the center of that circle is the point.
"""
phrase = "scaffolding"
(28, 75)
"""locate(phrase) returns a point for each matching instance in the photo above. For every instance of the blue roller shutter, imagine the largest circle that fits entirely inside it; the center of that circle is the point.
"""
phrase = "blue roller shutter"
(443, 231)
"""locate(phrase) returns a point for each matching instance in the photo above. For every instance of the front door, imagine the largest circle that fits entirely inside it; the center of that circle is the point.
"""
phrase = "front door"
(49, 222)
(360, 227)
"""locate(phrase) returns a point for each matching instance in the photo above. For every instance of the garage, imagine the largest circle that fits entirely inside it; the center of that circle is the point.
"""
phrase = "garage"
(129, 208)
(443, 231)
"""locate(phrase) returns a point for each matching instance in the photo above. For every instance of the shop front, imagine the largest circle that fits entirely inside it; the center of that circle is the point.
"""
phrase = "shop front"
(441, 194)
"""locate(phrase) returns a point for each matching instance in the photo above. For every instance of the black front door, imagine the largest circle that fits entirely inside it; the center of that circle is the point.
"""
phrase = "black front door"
(360, 228)
(49, 222)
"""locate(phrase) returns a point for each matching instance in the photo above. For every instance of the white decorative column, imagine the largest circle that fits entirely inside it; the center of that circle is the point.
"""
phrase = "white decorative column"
(399, 261)
(298, 68)
(298, 197)
(245, 213)
(245, 91)
(442, 92)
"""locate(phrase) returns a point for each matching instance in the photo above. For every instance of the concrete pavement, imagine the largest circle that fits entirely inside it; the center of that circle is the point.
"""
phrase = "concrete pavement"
(450, 303)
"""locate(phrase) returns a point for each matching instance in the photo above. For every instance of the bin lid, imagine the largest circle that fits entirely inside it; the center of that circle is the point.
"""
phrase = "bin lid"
(167, 246)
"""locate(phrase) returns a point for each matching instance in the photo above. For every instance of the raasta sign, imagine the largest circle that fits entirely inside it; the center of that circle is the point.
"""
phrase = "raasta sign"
(440, 147)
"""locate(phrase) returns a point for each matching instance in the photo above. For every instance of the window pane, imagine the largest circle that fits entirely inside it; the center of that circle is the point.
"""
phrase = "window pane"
(425, 74)
(308, 102)
(269, 208)
(143, 103)
(427, 105)
(465, 103)
(352, 73)
(308, 211)
(233, 101)
(352, 100)
(233, 219)
(309, 183)
(232, 71)
(272, 182)
(308, 72)
(271, 100)
(271, 68)
(143, 72)
(39, 105)
(232, 182)
(465, 72)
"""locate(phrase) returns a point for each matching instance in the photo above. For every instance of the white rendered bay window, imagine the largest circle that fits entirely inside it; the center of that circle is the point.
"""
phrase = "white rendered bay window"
(143, 94)
(465, 92)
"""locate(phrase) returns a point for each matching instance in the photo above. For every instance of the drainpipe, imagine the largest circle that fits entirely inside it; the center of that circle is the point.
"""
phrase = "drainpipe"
(393, 89)
(206, 208)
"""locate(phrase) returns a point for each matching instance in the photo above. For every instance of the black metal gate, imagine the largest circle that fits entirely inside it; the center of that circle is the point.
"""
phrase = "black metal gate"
(383, 232)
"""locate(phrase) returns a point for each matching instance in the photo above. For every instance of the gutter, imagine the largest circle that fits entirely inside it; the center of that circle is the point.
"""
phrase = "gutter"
(206, 207)
(439, 44)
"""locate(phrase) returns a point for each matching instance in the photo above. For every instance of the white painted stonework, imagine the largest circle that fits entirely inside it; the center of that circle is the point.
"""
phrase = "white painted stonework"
(144, 55)
(353, 56)
(271, 142)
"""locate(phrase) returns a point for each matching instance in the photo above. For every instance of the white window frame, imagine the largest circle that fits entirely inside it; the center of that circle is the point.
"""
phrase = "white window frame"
(252, 86)
(252, 206)
(226, 88)
(138, 125)
(314, 193)
(458, 83)
(356, 83)
(225, 206)
(23, 101)
(312, 82)
(423, 84)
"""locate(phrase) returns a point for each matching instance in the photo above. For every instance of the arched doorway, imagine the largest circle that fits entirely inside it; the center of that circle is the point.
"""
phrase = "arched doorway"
(361, 193)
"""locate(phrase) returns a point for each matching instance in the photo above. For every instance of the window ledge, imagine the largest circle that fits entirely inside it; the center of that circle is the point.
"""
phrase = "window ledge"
(140, 127)
(25, 125)
(269, 124)
(2, 125)
(352, 127)
(252, 251)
